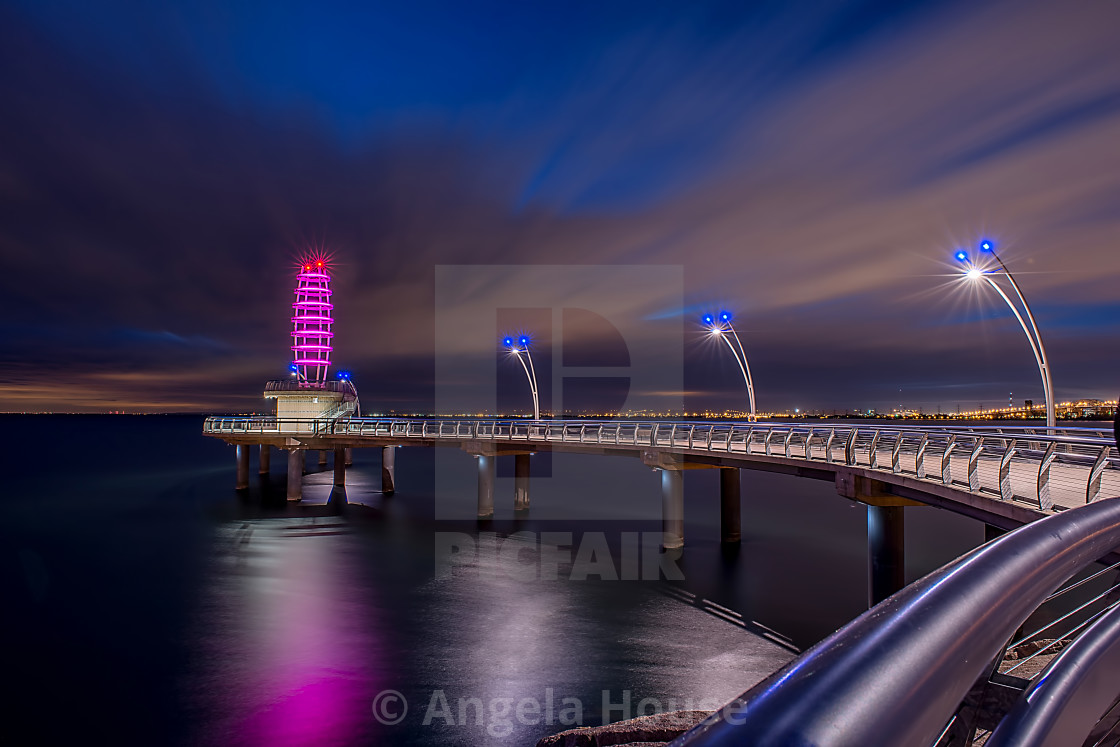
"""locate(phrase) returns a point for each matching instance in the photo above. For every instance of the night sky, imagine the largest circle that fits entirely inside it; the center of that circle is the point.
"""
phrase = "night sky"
(812, 166)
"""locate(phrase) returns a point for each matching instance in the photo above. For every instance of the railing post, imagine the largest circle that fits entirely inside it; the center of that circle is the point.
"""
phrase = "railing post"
(787, 441)
(873, 451)
(920, 457)
(946, 461)
(1045, 501)
(766, 442)
(973, 459)
(809, 445)
(896, 453)
(1005, 492)
(850, 448)
(828, 445)
(1093, 484)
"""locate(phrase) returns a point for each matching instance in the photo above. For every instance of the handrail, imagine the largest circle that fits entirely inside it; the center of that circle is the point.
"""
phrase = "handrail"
(898, 673)
(1063, 703)
(1055, 470)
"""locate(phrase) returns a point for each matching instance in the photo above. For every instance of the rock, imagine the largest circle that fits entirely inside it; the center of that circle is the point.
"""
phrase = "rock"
(644, 731)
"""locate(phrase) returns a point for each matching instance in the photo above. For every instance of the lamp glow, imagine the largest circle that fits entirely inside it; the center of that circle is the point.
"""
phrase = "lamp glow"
(724, 330)
(521, 348)
(1020, 309)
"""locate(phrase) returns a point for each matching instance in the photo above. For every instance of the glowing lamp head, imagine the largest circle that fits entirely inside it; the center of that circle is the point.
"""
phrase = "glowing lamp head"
(725, 316)
(986, 246)
(961, 255)
(507, 342)
(523, 341)
(708, 319)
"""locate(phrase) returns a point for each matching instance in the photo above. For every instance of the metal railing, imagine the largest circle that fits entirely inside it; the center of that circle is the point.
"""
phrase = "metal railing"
(1046, 469)
(901, 672)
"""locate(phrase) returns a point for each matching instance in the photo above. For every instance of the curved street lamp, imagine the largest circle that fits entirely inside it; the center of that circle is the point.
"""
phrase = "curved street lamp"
(520, 347)
(720, 326)
(976, 272)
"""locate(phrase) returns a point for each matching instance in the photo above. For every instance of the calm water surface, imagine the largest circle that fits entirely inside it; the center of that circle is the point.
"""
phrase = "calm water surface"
(148, 603)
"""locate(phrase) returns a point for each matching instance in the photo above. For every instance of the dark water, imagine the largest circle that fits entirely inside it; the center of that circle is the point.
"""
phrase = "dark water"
(147, 603)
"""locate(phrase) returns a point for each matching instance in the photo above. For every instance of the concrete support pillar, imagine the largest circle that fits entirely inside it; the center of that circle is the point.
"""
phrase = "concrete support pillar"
(886, 552)
(266, 458)
(388, 470)
(242, 466)
(349, 459)
(730, 521)
(486, 474)
(339, 468)
(521, 482)
(672, 509)
(991, 533)
(295, 474)
(322, 458)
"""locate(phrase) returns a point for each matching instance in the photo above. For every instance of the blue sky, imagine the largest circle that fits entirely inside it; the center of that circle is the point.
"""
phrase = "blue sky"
(812, 165)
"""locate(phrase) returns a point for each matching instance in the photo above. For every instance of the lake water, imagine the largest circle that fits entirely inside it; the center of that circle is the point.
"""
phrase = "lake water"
(149, 603)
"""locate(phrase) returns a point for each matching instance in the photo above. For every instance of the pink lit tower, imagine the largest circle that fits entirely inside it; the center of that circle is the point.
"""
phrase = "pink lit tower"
(307, 400)
(311, 323)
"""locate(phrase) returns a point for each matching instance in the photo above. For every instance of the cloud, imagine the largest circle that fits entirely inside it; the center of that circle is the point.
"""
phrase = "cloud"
(810, 169)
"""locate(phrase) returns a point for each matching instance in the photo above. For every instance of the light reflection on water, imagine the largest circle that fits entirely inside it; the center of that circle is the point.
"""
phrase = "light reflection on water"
(152, 606)
(298, 632)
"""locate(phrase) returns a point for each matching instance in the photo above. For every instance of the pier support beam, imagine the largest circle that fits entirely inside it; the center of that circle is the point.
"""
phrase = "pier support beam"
(388, 470)
(339, 468)
(886, 535)
(672, 509)
(886, 552)
(322, 458)
(349, 459)
(266, 458)
(242, 466)
(486, 474)
(730, 520)
(521, 482)
(295, 474)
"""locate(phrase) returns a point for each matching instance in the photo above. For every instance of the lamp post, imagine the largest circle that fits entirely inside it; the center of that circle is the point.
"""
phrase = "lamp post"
(975, 272)
(720, 326)
(520, 347)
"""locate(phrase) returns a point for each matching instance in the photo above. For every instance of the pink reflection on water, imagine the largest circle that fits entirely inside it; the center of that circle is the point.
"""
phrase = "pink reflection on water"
(294, 658)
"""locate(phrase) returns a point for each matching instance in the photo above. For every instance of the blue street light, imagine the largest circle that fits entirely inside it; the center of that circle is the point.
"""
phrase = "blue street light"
(723, 329)
(976, 272)
(519, 349)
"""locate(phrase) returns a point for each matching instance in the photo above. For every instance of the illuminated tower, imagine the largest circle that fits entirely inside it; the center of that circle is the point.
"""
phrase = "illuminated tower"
(311, 324)
(306, 400)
